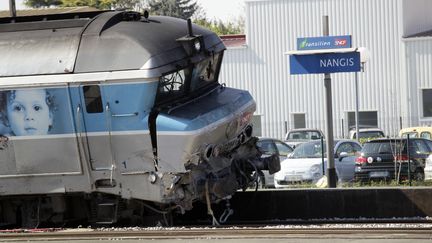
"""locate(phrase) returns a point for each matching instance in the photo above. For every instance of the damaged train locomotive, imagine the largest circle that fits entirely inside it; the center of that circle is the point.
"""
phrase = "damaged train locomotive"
(113, 114)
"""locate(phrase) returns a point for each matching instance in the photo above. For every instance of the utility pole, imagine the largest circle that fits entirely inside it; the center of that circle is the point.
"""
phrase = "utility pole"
(12, 8)
(331, 171)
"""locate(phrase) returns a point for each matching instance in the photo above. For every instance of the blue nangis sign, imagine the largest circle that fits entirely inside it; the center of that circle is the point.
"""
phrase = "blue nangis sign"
(325, 63)
(323, 42)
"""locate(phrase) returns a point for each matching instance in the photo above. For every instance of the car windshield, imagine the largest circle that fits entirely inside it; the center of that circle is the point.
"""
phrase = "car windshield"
(303, 135)
(308, 150)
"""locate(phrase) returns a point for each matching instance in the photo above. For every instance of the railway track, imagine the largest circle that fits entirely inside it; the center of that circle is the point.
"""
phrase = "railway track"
(370, 232)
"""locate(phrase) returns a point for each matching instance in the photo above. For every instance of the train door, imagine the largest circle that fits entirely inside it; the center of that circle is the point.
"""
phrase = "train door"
(96, 130)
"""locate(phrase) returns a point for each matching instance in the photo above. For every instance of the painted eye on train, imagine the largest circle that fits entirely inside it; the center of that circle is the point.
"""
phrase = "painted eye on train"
(37, 107)
(17, 108)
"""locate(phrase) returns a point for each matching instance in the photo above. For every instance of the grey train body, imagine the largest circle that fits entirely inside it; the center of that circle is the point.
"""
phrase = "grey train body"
(110, 115)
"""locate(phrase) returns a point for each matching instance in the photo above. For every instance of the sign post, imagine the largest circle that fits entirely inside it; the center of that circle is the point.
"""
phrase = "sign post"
(326, 54)
(331, 171)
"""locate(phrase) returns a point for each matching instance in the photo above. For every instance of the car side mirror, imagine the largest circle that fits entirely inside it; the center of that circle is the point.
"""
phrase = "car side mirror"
(343, 155)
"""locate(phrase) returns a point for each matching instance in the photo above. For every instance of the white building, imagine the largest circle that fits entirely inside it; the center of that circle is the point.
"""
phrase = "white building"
(395, 89)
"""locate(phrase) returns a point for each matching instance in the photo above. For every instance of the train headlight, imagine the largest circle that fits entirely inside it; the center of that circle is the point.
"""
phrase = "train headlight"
(197, 45)
(192, 44)
(152, 177)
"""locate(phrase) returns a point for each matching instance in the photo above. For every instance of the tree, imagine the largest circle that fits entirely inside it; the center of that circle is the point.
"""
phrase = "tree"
(221, 28)
(41, 3)
(100, 4)
(175, 8)
(126, 4)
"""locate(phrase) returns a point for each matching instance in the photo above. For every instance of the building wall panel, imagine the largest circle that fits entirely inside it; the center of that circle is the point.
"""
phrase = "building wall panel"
(419, 54)
(272, 28)
(417, 17)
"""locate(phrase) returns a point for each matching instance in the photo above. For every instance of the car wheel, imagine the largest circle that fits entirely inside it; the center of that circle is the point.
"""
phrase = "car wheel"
(419, 175)
(259, 183)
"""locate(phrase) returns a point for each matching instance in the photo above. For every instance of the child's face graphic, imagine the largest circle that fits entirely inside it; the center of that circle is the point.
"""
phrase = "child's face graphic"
(28, 112)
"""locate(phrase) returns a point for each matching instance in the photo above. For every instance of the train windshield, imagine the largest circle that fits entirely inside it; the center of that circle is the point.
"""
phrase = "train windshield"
(190, 81)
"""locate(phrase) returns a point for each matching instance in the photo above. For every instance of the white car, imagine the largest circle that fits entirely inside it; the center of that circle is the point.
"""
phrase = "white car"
(428, 168)
(366, 133)
(304, 164)
(298, 136)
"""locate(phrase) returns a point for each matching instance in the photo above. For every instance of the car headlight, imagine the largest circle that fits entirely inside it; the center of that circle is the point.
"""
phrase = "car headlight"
(315, 169)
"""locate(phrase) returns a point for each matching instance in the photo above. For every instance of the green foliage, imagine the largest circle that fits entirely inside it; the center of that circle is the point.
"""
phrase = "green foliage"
(100, 4)
(175, 8)
(366, 139)
(220, 27)
(125, 4)
(41, 3)
(390, 183)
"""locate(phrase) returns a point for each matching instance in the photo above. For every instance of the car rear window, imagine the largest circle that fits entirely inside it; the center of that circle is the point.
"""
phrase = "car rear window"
(384, 147)
(371, 134)
(303, 135)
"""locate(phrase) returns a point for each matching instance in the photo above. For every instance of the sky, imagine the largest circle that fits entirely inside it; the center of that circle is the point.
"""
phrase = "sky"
(225, 10)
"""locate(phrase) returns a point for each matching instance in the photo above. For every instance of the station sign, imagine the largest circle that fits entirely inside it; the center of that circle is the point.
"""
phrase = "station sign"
(325, 63)
(323, 42)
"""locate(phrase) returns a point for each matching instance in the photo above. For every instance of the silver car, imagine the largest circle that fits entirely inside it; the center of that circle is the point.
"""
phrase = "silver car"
(305, 163)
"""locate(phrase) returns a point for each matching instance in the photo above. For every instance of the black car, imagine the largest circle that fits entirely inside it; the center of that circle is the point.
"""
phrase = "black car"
(271, 146)
(387, 159)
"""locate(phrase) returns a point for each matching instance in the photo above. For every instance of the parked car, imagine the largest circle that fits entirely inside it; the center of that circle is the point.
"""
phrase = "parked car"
(305, 163)
(386, 159)
(270, 146)
(428, 168)
(295, 137)
(366, 133)
(416, 132)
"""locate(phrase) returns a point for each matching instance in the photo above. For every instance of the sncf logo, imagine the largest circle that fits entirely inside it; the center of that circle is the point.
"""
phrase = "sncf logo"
(340, 42)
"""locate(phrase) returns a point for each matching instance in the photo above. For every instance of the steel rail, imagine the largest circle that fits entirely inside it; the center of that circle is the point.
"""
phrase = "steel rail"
(225, 233)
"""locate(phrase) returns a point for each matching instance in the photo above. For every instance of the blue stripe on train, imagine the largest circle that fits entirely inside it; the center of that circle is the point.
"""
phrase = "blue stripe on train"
(123, 107)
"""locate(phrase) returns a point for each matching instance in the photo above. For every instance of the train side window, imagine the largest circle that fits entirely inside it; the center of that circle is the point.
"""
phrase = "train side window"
(93, 98)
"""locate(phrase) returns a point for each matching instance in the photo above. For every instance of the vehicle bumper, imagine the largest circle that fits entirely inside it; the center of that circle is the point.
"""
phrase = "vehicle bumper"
(428, 173)
(370, 174)
(291, 179)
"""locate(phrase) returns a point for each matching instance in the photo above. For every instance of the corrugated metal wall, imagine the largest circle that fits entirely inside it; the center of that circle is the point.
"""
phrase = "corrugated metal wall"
(419, 76)
(417, 17)
(262, 68)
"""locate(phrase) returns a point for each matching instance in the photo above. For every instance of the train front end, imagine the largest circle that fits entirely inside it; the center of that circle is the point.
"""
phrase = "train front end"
(201, 130)
(200, 134)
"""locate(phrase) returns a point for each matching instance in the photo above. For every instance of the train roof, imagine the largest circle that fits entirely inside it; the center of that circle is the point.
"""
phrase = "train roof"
(100, 41)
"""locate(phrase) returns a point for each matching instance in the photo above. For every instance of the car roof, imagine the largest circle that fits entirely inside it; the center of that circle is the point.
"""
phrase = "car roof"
(266, 138)
(304, 129)
(367, 129)
(335, 141)
(415, 129)
(393, 139)
(353, 127)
